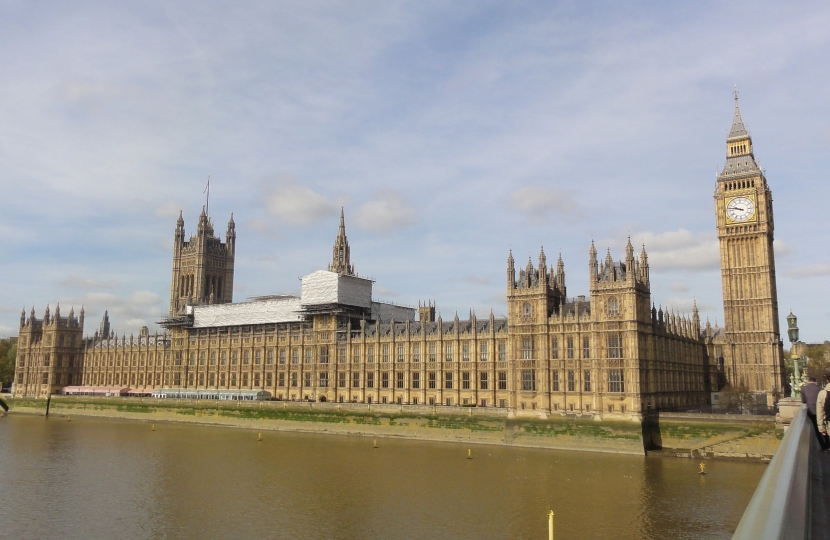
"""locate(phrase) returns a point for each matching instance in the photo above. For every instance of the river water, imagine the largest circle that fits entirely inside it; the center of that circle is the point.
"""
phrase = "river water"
(99, 478)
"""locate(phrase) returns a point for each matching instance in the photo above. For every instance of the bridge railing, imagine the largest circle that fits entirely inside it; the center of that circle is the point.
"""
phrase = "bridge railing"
(780, 507)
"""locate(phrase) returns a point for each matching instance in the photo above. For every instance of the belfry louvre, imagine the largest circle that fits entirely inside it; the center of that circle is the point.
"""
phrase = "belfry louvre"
(611, 353)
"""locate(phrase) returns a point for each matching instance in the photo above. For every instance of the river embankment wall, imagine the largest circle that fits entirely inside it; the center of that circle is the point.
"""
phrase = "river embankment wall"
(674, 434)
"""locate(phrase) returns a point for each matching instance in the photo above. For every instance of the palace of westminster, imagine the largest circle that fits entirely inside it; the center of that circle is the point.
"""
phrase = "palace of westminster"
(608, 354)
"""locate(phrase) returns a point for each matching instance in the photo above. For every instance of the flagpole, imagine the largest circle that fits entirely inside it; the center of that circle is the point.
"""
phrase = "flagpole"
(207, 201)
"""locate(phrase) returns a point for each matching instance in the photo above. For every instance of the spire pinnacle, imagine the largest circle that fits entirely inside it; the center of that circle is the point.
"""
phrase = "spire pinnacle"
(341, 257)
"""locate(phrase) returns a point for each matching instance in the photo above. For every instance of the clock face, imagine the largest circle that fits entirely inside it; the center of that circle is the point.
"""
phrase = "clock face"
(740, 209)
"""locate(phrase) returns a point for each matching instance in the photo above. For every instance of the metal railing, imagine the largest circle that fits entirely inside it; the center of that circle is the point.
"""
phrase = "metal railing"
(780, 507)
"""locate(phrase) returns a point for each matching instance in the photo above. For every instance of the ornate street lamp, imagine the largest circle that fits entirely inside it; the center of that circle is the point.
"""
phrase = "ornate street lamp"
(796, 379)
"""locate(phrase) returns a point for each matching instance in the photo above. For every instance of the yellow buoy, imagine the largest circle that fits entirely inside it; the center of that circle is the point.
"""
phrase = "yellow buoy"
(259, 438)
(376, 444)
(469, 454)
(550, 525)
(702, 469)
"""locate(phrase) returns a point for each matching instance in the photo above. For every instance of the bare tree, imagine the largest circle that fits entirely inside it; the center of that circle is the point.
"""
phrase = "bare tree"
(739, 398)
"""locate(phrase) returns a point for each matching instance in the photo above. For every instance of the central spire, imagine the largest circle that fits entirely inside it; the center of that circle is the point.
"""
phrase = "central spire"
(340, 259)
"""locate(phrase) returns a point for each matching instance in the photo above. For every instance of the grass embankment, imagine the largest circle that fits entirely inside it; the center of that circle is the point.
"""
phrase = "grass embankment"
(685, 437)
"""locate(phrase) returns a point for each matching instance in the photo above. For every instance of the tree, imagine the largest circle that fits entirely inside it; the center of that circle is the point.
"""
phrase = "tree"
(739, 398)
(818, 360)
(8, 355)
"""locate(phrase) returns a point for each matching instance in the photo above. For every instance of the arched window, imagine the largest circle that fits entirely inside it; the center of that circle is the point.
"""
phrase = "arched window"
(527, 311)
(613, 307)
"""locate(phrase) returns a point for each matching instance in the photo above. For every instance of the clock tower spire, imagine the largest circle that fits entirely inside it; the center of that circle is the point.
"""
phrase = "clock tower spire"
(743, 208)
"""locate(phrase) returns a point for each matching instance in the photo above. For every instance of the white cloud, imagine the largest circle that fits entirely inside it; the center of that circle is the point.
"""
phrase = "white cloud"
(127, 313)
(782, 249)
(477, 280)
(810, 271)
(298, 205)
(680, 250)
(168, 209)
(87, 283)
(539, 203)
(386, 212)
(679, 287)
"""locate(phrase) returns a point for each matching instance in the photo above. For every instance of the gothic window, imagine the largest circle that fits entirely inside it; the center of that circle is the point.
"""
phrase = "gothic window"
(324, 379)
(570, 348)
(586, 380)
(432, 353)
(465, 380)
(586, 347)
(482, 379)
(527, 348)
(384, 379)
(465, 352)
(355, 354)
(613, 308)
(448, 356)
(371, 355)
(571, 381)
(502, 380)
(324, 354)
(356, 380)
(448, 380)
(399, 382)
(529, 380)
(342, 380)
(555, 381)
(483, 351)
(502, 351)
(433, 380)
(401, 351)
(341, 354)
(385, 357)
(616, 381)
(416, 380)
(527, 310)
(309, 356)
(554, 348)
(615, 346)
(416, 353)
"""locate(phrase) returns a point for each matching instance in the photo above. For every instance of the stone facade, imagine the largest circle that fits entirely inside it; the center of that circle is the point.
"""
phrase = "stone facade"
(612, 353)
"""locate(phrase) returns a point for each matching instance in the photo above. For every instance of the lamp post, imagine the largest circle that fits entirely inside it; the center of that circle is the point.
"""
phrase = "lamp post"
(796, 378)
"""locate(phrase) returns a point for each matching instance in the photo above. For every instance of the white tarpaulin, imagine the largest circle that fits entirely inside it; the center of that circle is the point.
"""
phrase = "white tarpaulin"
(271, 310)
(323, 287)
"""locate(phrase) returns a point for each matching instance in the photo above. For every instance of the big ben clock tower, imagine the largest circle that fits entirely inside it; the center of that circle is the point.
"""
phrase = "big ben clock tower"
(753, 352)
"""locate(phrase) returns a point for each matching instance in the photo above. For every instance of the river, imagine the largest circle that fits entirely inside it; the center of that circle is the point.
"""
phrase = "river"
(99, 478)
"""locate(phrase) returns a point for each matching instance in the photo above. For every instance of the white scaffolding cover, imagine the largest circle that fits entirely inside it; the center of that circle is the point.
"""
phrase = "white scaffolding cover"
(323, 287)
(271, 310)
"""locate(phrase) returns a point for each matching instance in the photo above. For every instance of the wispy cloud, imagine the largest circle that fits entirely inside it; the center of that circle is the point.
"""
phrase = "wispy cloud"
(680, 250)
(810, 271)
(540, 204)
(77, 282)
(384, 213)
(298, 205)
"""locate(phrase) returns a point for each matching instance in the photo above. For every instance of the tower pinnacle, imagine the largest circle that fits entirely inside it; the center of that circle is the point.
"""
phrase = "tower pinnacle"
(340, 259)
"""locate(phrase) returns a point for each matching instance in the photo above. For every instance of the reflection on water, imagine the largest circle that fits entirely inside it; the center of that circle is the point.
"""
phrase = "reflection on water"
(92, 478)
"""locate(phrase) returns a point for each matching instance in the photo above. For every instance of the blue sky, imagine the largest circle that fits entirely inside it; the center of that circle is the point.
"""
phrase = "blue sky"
(451, 132)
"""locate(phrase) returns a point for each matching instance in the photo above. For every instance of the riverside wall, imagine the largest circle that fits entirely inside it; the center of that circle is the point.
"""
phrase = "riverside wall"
(670, 434)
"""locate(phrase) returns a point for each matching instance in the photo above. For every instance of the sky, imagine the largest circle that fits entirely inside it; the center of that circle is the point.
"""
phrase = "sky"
(451, 132)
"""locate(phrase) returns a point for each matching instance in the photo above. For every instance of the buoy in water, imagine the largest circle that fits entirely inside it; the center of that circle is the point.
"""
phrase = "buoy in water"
(259, 438)
(376, 444)
(154, 427)
(702, 469)
(469, 454)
